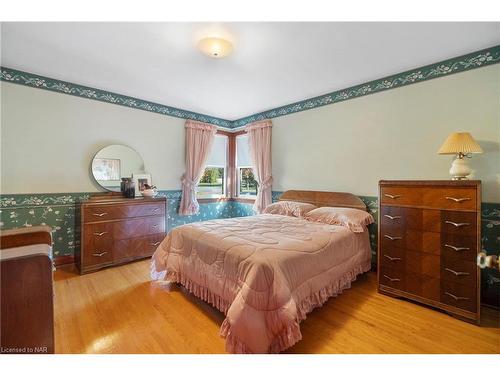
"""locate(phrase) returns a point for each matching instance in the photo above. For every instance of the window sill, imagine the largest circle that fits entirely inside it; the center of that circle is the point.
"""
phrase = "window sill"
(213, 200)
(244, 199)
(225, 199)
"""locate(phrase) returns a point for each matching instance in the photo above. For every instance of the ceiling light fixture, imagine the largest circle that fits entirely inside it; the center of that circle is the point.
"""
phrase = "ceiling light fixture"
(215, 47)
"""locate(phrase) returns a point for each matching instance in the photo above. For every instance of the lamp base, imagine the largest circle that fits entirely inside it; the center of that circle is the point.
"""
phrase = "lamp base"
(460, 169)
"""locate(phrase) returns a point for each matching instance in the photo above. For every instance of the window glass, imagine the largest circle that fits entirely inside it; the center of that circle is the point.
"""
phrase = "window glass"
(247, 183)
(211, 184)
(247, 186)
(213, 181)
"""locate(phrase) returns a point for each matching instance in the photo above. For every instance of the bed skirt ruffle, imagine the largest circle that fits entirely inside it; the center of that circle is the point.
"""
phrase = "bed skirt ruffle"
(291, 334)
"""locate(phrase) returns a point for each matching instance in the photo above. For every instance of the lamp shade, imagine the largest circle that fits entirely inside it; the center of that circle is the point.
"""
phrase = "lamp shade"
(460, 143)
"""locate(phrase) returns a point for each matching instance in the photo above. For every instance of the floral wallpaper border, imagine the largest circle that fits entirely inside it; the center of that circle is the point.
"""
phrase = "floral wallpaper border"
(444, 68)
(58, 210)
(51, 84)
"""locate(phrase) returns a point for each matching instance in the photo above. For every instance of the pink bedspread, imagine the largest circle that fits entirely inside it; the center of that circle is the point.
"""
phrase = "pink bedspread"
(265, 272)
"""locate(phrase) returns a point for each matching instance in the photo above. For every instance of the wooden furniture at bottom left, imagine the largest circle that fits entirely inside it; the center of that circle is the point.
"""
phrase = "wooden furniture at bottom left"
(27, 307)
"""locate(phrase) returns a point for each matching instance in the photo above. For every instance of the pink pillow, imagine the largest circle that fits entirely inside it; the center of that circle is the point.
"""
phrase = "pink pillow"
(289, 208)
(355, 220)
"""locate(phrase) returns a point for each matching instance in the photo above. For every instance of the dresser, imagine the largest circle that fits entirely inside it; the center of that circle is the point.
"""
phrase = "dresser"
(119, 230)
(428, 240)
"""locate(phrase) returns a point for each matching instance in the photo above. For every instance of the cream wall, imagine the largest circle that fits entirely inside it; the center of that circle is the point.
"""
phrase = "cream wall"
(48, 141)
(395, 134)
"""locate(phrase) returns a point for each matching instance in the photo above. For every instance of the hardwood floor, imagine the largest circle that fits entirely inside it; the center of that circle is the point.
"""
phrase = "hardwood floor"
(119, 310)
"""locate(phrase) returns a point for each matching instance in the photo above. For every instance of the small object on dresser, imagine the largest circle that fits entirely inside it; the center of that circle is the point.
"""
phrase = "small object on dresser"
(123, 184)
(141, 180)
(149, 191)
(128, 188)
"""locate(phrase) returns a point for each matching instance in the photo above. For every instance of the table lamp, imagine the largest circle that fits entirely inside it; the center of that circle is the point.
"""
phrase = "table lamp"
(461, 144)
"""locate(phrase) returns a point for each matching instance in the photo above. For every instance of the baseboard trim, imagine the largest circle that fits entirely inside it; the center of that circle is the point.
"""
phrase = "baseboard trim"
(64, 260)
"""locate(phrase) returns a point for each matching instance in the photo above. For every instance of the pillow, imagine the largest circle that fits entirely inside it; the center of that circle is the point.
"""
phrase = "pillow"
(289, 208)
(355, 220)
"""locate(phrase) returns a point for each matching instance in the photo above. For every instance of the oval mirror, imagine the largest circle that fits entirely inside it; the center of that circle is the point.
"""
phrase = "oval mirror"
(114, 162)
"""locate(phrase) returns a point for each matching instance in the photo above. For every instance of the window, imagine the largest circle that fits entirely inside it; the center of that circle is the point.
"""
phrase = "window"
(213, 181)
(246, 180)
(247, 186)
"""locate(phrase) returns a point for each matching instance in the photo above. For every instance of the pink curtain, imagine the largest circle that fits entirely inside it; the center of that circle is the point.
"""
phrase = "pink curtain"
(259, 142)
(199, 139)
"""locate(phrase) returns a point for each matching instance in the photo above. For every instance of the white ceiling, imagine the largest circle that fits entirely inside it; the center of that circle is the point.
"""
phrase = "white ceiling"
(273, 64)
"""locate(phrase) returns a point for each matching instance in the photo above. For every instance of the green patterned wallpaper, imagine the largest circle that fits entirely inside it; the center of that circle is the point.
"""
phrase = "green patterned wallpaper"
(55, 210)
(490, 243)
(58, 211)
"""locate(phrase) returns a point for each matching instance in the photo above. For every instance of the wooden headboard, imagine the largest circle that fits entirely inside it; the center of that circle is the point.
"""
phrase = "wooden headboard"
(324, 198)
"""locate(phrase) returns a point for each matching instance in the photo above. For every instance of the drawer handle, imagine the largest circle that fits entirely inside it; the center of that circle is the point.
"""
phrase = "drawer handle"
(155, 225)
(156, 209)
(391, 279)
(392, 217)
(101, 214)
(456, 248)
(456, 273)
(155, 243)
(458, 200)
(393, 196)
(391, 258)
(457, 225)
(392, 238)
(456, 298)
(99, 254)
(100, 234)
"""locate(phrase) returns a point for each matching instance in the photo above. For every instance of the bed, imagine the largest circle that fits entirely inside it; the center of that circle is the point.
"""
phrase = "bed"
(265, 272)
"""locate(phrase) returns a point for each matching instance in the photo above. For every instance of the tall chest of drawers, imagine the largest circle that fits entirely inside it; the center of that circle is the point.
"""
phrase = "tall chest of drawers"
(429, 237)
(119, 230)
